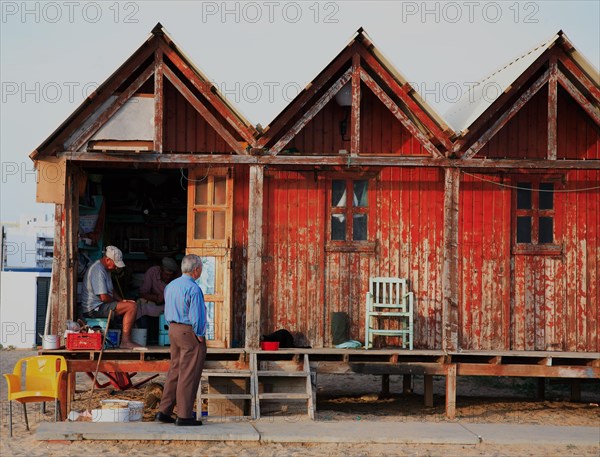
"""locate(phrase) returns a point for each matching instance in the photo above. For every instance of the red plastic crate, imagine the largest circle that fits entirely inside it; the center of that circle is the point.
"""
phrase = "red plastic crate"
(85, 341)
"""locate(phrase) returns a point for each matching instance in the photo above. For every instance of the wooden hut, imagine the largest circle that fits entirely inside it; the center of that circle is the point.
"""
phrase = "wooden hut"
(493, 218)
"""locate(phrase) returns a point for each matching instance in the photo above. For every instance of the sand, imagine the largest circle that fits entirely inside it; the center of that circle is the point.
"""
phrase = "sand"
(339, 398)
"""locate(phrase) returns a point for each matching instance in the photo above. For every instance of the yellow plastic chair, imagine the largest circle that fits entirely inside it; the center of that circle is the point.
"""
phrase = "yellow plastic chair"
(42, 379)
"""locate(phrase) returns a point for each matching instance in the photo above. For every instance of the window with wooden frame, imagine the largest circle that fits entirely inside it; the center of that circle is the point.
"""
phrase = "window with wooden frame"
(535, 225)
(349, 216)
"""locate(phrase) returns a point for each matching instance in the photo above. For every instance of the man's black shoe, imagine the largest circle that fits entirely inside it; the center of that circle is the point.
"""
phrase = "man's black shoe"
(185, 422)
(160, 417)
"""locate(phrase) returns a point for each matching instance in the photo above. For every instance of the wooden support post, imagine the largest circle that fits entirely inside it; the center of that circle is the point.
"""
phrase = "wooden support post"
(355, 113)
(576, 390)
(254, 269)
(407, 384)
(451, 391)
(428, 390)
(158, 100)
(540, 390)
(552, 109)
(450, 279)
(385, 386)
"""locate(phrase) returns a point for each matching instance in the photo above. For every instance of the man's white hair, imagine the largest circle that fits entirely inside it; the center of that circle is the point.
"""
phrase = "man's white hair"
(190, 262)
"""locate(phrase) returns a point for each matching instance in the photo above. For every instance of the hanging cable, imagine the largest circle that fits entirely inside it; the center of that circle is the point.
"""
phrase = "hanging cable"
(584, 189)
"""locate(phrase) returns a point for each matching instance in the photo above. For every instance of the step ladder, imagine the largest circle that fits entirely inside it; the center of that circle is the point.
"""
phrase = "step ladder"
(226, 390)
(280, 383)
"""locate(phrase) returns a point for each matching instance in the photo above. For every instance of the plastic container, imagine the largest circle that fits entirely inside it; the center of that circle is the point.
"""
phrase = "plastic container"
(139, 336)
(269, 345)
(84, 341)
(113, 338)
(136, 411)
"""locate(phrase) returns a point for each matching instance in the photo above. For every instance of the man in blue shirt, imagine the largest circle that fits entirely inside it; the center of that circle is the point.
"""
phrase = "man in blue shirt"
(186, 313)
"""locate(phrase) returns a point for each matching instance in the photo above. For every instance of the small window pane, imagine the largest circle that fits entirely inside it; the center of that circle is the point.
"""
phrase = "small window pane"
(338, 227)
(207, 280)
(219, 225)
(546, 195)
(201, 192)
(220, 190)
(360, 193)
(210, 320)
(359, 227)
(524, 229)
(200, 222)
(546, 230)
(338, 193)
(524, 195)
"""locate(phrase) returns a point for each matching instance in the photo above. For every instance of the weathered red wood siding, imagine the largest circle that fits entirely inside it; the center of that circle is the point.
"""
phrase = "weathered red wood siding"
(293, 256)
(185, 130)
(524, 136)
(304, 284)
(484, 263)
(532, 301)
(578, 136)
(380, 131)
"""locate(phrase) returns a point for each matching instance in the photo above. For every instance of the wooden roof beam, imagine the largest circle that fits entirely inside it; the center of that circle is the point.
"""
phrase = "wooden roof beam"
(206, 89)
(402, 92)
(399, 114)
(507, 116)
(552, 110)
(158, 100)
(355, 109)
(311, 113)
(304, 97)
(177, 160)
(579, 75)
(585, 104)
(203, 111)
(88, 132)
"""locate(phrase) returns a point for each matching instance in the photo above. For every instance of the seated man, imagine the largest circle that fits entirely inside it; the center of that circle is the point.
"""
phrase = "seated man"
(152, 292)
(98, 296)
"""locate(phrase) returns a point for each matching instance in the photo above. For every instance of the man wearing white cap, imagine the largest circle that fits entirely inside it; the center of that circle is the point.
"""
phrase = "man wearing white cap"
(98, 296)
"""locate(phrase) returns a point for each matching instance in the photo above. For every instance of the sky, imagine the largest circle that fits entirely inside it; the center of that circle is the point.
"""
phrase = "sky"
(259, 53)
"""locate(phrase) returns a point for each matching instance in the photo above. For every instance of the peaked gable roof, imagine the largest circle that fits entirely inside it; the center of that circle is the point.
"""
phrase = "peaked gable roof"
(362, 57)
(103, 103)
(475, 102)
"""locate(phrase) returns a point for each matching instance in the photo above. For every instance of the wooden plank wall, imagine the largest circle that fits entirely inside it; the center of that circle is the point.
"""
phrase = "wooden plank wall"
(304, 283)
(185, 130)
(484, 263)
(380, 131)
(578, 135)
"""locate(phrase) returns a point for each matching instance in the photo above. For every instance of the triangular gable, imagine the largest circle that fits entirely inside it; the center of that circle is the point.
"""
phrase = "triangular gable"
(158, 58)
(557, 64)
(361, 65)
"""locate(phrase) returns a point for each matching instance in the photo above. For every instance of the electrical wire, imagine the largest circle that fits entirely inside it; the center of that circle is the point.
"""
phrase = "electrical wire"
(584, 189)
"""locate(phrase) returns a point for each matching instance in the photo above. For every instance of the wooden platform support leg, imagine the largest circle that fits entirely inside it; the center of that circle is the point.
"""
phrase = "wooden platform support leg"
(385, 386)
(428, 390)
(407, 384)
(451, 392)
(575, 390)
(540, 390)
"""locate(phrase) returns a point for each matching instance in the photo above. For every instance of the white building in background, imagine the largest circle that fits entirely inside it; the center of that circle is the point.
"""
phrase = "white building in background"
(28, 243)
(26, 263)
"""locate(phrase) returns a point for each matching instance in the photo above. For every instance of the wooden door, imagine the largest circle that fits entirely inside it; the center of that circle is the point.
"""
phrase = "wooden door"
(209, 235)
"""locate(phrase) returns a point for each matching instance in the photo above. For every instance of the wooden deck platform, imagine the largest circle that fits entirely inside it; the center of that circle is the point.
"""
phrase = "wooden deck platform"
(383, 362)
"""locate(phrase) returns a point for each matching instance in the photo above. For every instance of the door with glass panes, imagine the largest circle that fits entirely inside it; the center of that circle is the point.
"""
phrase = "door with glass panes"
(209, 235)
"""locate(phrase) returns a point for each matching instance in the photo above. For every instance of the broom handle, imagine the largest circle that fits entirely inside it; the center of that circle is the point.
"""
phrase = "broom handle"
(99, 359)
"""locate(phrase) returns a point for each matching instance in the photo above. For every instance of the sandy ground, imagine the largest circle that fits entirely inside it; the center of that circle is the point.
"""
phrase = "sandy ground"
(339, 398)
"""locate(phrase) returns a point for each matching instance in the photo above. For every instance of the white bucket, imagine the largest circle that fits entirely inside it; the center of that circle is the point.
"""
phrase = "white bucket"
(139, 335)
(50, 342)
(136, 411)
(112, 411)
(110, 415)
